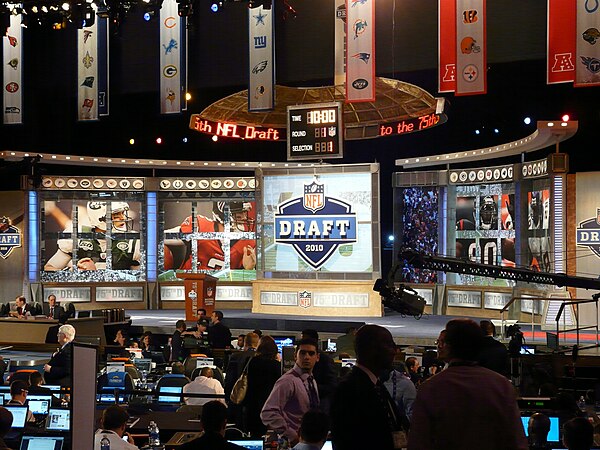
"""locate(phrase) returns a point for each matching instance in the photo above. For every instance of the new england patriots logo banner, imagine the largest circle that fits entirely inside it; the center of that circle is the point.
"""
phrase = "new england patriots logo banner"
(471, 61)
(12, 46)
(261, 49)
(339, 76)
(587, 43)
(560, 55)
(360, 51)
(87, 73)
(173, 59)
(446, 46)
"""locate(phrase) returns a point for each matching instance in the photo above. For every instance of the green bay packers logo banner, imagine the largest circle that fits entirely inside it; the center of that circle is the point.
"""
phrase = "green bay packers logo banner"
(173, 59)
(89, 70)
(339, 42)
(446, 46)
(560, 58)
(261, 49)
(587, 66)
(12, 82)
(471, 63)
(360, 51)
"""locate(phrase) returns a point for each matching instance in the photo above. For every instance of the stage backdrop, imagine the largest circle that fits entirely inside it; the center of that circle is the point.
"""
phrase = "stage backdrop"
(12, 245)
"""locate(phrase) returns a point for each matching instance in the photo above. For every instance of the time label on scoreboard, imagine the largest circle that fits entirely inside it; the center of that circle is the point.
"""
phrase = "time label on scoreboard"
(315, 131)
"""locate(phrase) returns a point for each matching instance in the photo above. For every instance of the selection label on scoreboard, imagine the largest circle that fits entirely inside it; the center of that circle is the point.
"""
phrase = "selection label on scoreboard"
(315, 131)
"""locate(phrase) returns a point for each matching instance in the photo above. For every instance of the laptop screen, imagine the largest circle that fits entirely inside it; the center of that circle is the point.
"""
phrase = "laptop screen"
(170, 390)
(109, 398)
(143, 364)
(250, 445)
(553, 434)
(19, 415)
(42, 443)
(39, 404)
(58, 420)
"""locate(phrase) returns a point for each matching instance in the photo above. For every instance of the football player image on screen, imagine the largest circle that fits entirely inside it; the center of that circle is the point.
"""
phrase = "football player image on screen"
(534, 220)
(488, 213)
(91, 245)
(465, 213)
(507, 212)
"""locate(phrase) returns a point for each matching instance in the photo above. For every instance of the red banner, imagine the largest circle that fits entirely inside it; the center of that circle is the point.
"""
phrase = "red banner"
(446, 45)
(561, 41)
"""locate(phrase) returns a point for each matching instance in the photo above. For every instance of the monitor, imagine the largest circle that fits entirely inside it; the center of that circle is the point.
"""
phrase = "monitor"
(205, 362)
(39, 404)
(327, 446)
(170, 390)
(553, 434)
(6, 397)
(249, 444)
(4, 388)
(42, 443)
(143, 364)
(52, 387)
(348, 362)
(284, 341)
(527, 350)
(552, 341)
(19, 415)
(331, 345)
(58, 419)
(105, 398)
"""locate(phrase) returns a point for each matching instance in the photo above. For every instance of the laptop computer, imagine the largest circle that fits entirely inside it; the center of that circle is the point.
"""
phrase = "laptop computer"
(249, 444)
(169, 399)
(42, 443)
(143, 364)
(39, 405)
(58, 420)
(105, 398)
(19, 415)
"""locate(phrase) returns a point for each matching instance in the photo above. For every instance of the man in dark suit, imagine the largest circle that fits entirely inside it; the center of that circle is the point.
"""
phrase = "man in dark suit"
(22, 308)
(493, 354)
(58, 369)
(219, 335)
(53, 310)
(214, 421)
(363, 414)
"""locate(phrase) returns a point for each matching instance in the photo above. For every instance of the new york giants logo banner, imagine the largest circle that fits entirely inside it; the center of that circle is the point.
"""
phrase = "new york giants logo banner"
(87, 73)
(447, 45)
(173, 60)
(360, 51)
(560, 57)
(261, 48)
(12, 83)
(587, 41)
(471, 63)
(315, 225)
(339, 42)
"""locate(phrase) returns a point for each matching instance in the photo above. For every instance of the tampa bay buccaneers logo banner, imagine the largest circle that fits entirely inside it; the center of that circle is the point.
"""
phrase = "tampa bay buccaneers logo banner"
(471, 61)
(587, 66)
(261, 59)
(173, 59)
(12, 85)
(560, 42)
(360, 51)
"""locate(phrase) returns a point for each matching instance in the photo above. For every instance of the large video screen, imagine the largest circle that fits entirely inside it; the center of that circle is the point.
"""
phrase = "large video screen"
(538, 227)
(318, 223)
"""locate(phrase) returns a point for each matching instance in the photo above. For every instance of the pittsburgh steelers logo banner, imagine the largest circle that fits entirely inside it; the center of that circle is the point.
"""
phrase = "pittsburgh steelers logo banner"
(103, 64)
(471, 63)
(261, 49)
(560, 57)
(446, 46)
(339, 76)
(173, 53)
(360, 51)
(12, 82)
(587, 43)
(87, 73)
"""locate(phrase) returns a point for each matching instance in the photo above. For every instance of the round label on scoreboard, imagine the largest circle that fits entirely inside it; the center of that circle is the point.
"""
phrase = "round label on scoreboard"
(47, 182)
(165, 184)
(215, 184)
(138, 184)
(480, 175)
(504, 172)
(228, 184)
(463, 176)
(85, 183)
(252, 183)
(98, 183)
(203, 184)
(472, 175)
(453, 177)
(72, 183)
(241, 183)
(59, 183)
(124, 184)
(111, 184)
(190, 184)
(177, 184)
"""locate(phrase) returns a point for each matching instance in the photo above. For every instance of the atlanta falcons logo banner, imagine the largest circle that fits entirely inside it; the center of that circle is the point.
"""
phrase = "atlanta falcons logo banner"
(173, 59)
(12, 45)
(446, 46)
(471, 64)
(261, 58)
(87, 73)
(339, 42)
(561, 41)
(587, 45)
(360, 51)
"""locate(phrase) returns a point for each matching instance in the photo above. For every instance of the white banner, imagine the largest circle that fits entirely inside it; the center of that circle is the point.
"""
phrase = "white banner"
(172, 57)
(12, 46)
(471, 63)
(339, 73)
(587, 66)
(87, 73)
(261, 50)
(360, 51)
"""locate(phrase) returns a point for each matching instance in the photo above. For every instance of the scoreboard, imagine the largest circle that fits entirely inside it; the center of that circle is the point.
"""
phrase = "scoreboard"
(315, 131)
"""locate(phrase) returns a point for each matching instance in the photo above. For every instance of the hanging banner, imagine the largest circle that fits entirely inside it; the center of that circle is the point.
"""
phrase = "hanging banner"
(471, 61)
(103, 66)
(561, 41)
(87, 73)
(446, 46)
(172, 57)
(12, 46)
(339, 36)
(261, 49)
(360, 51)
(587, 66)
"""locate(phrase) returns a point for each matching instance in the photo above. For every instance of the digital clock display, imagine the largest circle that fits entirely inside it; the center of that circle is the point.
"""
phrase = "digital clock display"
(315, 131)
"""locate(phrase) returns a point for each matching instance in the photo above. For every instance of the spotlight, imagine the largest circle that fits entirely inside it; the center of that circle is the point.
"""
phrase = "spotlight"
(185, 140)
(159, 140)
(131, 141)
(216, 7)
(496, 130)
(527, 120)
(565, 118)
(188, 96)
(477, 132)
(391, 238)
(215, 138)
(66, 6)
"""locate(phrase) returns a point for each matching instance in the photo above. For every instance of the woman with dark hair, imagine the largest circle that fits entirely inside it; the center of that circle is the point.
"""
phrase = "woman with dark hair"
(263, 371)
(146, 344)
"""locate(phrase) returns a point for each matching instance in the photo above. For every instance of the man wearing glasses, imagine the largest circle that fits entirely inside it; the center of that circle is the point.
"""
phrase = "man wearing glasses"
(58, 369)
(18, 396)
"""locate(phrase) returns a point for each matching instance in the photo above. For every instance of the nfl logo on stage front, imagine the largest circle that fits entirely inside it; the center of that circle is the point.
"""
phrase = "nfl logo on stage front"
(314, 196)
(304, 298)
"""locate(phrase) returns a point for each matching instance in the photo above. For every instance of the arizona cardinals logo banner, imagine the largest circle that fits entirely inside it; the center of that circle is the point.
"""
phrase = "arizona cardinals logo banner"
(561, 41)
(339, 75)
(587, 65)
(446, 46)
(12, 45)
(261, 49)
(87, 73)
(471, 74)
(360, 51)
(173, 42)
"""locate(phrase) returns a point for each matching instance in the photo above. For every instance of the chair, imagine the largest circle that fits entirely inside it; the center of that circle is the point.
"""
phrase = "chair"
(37, 309)
(196, 409)
(70, 310)
(190, 364)
(133, 371)
(103, 383)
(21, 374)
(171, 380)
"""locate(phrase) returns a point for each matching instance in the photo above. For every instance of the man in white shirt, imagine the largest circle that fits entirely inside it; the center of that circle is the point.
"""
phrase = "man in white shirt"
(205, 383)
(114, 420)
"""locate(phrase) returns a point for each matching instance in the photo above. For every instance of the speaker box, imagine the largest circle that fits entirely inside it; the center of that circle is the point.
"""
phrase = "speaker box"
(559, 162)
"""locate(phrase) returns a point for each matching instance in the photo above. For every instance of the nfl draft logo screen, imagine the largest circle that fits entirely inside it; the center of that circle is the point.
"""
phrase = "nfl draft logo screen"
(10, 237)
(315, 225)
(588, 233)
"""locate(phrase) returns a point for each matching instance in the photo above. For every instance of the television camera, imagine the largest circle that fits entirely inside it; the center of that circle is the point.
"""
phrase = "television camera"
(402, 299)
(517, 340)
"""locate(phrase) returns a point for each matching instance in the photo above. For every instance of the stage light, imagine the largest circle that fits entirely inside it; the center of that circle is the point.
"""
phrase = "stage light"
(391, 238)
(188, 96)
(496, 130)
(216, 7)
(477, 131)
(66, 6)
(215, 138)
(565, 118)
(159, 140)
(527, 120)
(185, 140)
(131, 141)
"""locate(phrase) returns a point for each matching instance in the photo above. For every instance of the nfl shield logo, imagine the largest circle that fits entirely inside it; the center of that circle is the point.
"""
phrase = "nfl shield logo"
(304, 299)
(209, 291)
(314, 196)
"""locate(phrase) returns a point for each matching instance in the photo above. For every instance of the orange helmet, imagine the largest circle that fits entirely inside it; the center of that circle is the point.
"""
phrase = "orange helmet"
(469, 45)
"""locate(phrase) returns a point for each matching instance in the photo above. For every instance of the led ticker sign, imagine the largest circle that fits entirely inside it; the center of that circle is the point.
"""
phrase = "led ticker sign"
(236, 130)
(411, 125)
(315, 131)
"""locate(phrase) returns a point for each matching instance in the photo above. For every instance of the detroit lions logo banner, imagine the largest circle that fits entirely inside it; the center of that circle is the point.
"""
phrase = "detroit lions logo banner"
(261, 49)
(587, 37)
(339, 73)
(173, 51)
(360, 51)
(446, 46)
(12, 46)
(87, 73)
(471, 63)
(561, 41)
